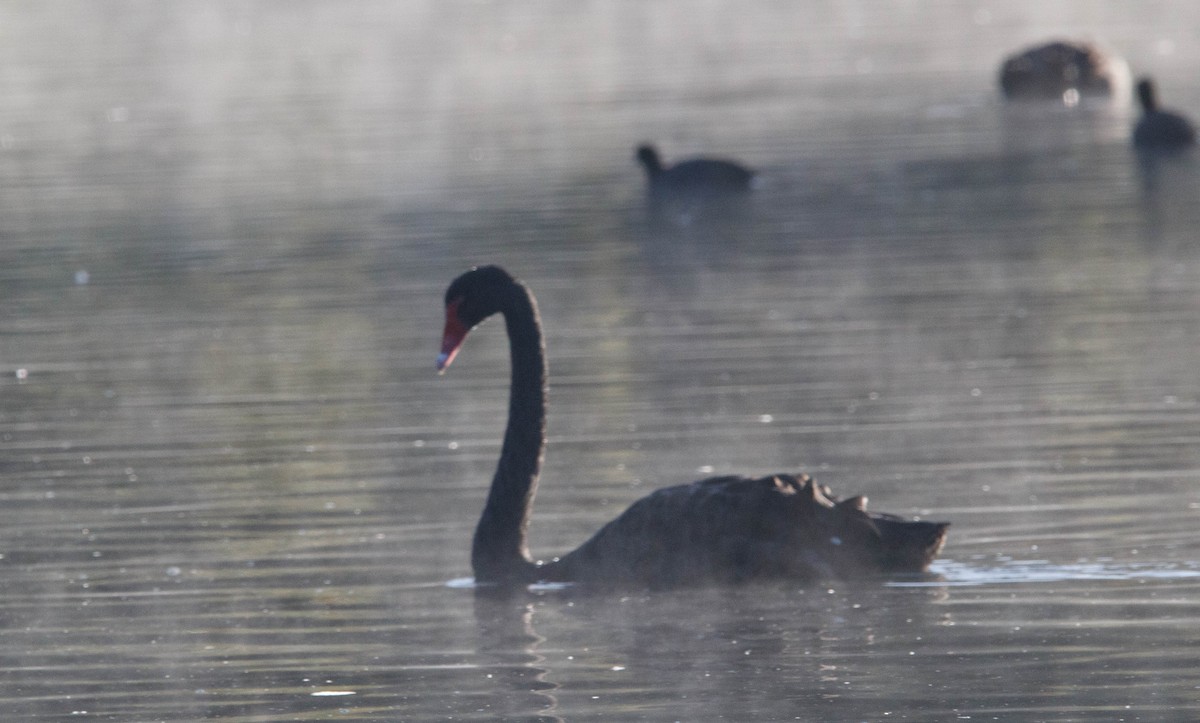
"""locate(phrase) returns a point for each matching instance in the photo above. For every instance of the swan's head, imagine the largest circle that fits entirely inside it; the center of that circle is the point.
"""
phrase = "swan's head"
(648, 157)
(470, 299)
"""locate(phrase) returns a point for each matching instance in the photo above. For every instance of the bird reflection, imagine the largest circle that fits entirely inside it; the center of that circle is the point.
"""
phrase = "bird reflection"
(508, 646)
(713, 651)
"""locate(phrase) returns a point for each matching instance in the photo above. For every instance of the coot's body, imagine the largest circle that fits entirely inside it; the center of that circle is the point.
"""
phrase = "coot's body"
(693, 176)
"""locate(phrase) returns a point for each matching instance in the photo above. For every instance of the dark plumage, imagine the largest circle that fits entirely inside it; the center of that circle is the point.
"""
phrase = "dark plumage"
(1050, 71)
(694, 176)
(1159, 128)
(722, 530)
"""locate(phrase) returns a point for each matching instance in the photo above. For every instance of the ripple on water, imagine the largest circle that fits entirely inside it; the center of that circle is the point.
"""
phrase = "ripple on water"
(958, 574)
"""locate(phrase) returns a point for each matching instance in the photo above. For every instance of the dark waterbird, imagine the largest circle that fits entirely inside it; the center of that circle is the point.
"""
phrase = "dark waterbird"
(1061, 70)
(694, 176)
(723, 530)
(1160, 128)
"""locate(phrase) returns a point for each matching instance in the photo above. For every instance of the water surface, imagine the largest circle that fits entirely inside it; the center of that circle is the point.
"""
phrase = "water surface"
(234, 487)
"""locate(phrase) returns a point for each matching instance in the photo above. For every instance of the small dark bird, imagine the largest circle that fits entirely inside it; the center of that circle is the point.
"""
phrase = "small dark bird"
(1160, 128)
(695, 176)
(722, 530)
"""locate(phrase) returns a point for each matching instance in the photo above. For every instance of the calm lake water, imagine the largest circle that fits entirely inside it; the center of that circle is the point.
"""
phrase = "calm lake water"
(234, 488)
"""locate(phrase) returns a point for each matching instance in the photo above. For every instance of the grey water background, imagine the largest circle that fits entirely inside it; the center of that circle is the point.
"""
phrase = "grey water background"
(234, 488)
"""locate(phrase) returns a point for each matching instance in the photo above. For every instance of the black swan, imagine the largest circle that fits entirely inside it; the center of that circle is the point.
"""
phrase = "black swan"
(723, 530)
(693, 177)
(1159, 128)
(1063, 71)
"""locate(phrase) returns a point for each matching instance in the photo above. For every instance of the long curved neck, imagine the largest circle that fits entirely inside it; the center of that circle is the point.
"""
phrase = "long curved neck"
(500, 551)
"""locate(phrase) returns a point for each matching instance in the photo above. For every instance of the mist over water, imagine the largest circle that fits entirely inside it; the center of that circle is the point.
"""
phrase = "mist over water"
(234, 486)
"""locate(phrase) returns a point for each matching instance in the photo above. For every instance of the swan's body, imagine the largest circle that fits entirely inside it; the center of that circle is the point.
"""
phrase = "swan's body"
(696, 176)
(716, 531)
(1160, 128)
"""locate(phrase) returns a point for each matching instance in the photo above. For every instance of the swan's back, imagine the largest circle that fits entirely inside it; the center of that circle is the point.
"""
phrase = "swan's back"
(728, 530)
